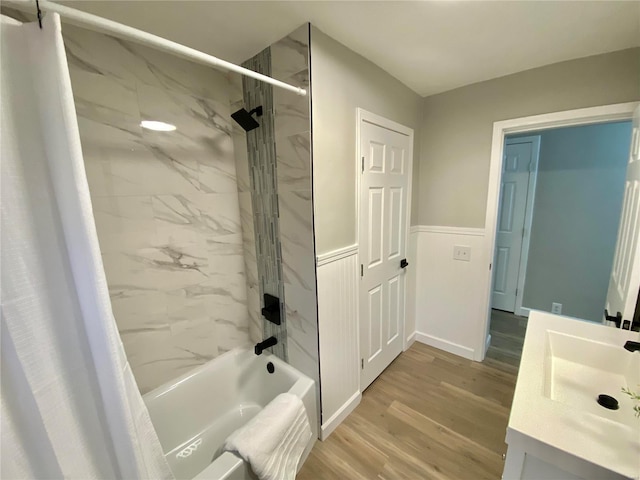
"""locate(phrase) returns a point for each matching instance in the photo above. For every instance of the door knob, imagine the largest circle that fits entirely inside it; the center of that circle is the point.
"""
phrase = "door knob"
(404, 263)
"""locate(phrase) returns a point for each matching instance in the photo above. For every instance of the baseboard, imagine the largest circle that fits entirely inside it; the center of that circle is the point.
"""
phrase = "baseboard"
(336, 419)
(445, 345)
(523, 312)
(410, 340)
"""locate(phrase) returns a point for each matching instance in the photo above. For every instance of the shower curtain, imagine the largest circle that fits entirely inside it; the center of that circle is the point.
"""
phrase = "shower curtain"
(70, 405)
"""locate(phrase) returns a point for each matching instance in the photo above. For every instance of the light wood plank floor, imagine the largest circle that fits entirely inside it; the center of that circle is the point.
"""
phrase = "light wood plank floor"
(507, 337)
(430, 415)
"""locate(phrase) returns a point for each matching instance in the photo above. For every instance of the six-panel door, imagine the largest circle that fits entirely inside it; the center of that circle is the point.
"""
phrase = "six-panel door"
(382, 237)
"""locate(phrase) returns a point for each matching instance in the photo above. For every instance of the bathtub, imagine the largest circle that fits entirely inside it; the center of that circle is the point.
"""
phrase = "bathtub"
(194, 414)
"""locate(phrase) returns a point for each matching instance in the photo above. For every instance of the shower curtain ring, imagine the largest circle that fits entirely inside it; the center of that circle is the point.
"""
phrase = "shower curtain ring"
(39, 14)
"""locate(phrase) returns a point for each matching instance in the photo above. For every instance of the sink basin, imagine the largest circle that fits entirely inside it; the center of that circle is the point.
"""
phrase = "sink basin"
(577, 370)
(566, 364)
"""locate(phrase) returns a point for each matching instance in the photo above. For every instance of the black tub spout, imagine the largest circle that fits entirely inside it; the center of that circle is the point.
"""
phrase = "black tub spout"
(269, 342)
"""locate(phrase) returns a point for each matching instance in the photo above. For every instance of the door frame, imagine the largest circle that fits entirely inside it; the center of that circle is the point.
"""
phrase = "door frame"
(528, 218)
(581, 116)
(363, 115)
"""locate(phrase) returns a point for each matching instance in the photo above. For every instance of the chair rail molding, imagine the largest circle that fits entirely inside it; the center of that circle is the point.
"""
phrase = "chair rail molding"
(446, 229)
(335, 255)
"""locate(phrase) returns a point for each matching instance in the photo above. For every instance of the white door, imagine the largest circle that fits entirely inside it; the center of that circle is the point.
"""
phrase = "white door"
(516, 209)
(625, 274)
(384, 184)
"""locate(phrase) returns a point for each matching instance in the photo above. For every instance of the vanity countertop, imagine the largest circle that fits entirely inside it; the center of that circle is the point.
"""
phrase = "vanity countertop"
(566, 363)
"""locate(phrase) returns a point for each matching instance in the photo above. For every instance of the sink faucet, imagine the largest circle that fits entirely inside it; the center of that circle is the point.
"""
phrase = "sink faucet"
(269, 342)
(632, 346)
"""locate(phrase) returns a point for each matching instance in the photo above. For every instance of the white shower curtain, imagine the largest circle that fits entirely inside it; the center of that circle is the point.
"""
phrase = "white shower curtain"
(70, 404)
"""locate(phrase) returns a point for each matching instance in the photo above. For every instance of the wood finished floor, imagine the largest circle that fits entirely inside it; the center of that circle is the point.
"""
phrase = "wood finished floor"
(507, 337)
(430, 415)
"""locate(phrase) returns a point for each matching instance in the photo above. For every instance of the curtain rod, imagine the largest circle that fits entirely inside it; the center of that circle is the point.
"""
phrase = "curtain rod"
(153, 41)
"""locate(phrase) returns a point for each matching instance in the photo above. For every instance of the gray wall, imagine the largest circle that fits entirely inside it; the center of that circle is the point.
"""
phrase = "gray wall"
(342, 81)
(457, 126)
(578, 201)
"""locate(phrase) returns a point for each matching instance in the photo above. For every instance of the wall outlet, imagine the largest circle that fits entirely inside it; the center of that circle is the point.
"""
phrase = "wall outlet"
(556, 308)
(462, 252)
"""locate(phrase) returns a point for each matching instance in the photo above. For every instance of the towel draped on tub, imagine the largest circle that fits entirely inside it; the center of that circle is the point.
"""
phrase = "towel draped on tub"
(273, 441)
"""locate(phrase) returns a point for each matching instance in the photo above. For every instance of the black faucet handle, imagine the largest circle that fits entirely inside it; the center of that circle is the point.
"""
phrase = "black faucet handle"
(632, 346)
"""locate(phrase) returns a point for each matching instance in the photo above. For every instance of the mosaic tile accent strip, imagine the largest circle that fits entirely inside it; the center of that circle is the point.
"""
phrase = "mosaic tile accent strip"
(263, 177)
(282, 186)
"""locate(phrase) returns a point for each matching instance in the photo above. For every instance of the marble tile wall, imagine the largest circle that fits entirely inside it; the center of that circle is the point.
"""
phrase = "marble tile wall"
(292, 128)
(166, 205)
(239, 137)
(287, 125)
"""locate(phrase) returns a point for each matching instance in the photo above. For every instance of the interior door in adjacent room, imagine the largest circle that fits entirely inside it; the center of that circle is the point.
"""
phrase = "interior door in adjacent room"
(517, 190)
(625, 273)
(385, 169)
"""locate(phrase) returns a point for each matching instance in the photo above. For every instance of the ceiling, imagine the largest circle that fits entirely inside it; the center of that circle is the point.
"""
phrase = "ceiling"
(429, 46)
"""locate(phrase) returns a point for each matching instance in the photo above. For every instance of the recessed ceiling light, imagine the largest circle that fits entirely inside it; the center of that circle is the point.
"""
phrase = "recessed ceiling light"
(157, 126)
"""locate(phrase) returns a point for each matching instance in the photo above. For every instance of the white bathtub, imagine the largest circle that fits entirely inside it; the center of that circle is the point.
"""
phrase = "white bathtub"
(194, 414)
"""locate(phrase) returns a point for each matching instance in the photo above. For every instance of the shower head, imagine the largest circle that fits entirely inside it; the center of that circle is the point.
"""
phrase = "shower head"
(245, 119)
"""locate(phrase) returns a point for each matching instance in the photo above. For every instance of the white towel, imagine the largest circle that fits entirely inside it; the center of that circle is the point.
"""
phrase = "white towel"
(273, 441)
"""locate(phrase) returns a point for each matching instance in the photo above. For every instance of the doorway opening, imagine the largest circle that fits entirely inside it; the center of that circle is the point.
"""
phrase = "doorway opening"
(559, 190)
(513, 234)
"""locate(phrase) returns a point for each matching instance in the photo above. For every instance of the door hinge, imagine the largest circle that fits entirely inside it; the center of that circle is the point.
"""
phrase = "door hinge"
(361, 270)
(362, 164)
(490, 266)
(362, 364)
(516, 292)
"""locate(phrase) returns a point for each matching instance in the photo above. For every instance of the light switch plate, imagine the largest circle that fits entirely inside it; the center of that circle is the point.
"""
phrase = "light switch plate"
(462, 252)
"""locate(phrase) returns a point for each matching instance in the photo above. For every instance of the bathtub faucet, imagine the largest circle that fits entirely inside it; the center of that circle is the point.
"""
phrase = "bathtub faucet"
(632, 346)
(269, 342)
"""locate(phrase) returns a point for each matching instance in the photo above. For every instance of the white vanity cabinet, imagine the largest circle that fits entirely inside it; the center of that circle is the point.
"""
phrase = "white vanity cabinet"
(557, 430)
(529, 459)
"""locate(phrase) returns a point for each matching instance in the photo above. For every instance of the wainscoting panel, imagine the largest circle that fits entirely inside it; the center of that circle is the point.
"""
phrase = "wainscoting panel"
(410, 305)
(338, 332)
(449, 293)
